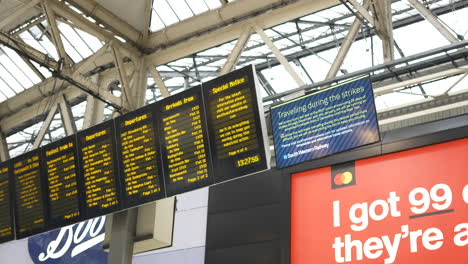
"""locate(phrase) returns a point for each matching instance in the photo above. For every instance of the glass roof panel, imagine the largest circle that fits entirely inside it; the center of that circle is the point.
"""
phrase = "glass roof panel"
(167, 12)
(198, 6)
(22, 65)
(182, 11)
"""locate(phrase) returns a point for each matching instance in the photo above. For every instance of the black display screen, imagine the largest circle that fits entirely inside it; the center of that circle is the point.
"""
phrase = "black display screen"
(30, 208)
(139, 156)
(234, 125)
(184, 142)
(60, 164)
(99, 170)
(6, 204)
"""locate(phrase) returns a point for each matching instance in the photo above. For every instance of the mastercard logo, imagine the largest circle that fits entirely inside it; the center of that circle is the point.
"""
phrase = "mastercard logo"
(343, 178)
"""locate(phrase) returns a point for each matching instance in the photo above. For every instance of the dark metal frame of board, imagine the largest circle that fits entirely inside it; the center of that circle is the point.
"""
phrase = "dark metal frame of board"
(152, 109)
(81, 206)
(11, 198)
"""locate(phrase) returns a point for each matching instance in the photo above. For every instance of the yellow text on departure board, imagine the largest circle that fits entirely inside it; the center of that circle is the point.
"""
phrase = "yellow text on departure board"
(179, 103)
(228, 85)
(95, 135)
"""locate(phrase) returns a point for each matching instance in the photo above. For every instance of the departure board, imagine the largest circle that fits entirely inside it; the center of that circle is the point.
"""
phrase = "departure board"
(30, 209)
(6, 205)
(236, 125)
(139, 156)
(184, 142)
(60, 163)
(98, 169)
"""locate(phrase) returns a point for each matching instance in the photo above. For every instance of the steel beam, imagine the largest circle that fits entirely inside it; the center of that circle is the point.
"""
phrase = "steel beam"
(344, 49)
(431, 18)
(118, 60)
(390, 88)
(383, 23)
(61, 9)
(234, 56)
(148, 11)
(284, 62)
(389, 65)
(18, 13)
(4, 153)
(93, 9)
(94, 112)
(159, 81)
(363, 10)
(140, 83)
(67, 116)
(179, 40)
(55, 32)
(24, 49)
(45, 125)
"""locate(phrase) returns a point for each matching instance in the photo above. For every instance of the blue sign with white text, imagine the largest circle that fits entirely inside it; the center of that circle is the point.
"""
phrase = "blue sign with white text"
(329, 121)
(75, 244)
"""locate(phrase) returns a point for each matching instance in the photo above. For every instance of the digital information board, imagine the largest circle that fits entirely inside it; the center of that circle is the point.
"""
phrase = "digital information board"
(139, 156)
(185, 149)
(405, 207)
(30, 208)
(99, 170)
(60, 163)
(160, 150)
(6, 205)
(329, 121)
(238, 142)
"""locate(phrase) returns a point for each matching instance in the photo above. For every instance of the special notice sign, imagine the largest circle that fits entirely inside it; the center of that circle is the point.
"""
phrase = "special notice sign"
(329, 121)
(406, 207)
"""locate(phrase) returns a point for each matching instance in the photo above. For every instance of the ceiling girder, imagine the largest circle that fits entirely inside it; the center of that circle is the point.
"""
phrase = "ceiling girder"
(110, 20)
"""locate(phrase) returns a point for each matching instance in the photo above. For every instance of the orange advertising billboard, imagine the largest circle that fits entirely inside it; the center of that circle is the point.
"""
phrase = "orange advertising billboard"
(405, 207)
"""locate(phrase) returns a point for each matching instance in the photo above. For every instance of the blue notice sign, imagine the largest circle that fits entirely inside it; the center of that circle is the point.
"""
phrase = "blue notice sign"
(331, 120)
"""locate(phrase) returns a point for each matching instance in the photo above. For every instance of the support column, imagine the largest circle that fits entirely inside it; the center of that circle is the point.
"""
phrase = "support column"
(158, 80)
(67, 116)
(234, 56)
(384, 27)
(128, 101)
(124, 223)
(45, 126)
(94, 112)
(279, 56)
(123, 232)
(55, 32)
(18, 13)
(427, 14)
(4, 153)
(345, 46)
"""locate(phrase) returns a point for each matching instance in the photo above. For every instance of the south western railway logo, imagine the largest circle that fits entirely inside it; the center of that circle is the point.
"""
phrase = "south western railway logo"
(343, 175)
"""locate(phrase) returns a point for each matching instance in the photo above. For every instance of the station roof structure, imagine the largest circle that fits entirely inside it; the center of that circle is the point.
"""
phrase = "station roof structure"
(66, 65)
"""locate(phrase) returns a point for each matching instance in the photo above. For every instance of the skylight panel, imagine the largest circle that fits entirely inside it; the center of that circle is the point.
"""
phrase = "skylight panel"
(31, 41)
(15, 71)
(22, 65)
(75, 40)
(10, 80)
(156, 22)
(43, 70)
(2, 96)
(164, 11)
(198, 6)
(6, 89)
(71, 51)
(91, 41)
(181, 9)
(213, 4)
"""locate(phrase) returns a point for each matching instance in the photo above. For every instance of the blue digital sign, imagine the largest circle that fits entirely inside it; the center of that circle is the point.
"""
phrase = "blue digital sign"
(329, 121)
